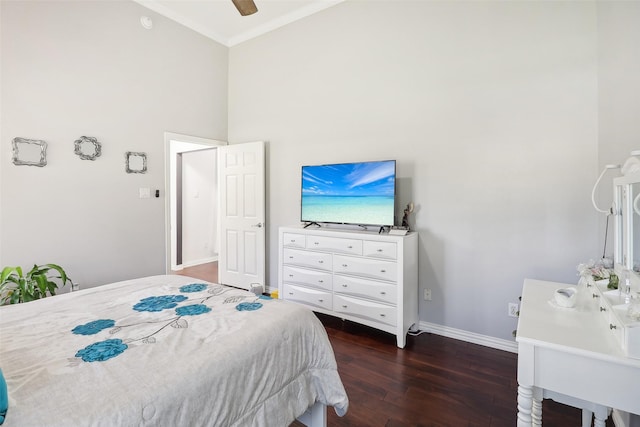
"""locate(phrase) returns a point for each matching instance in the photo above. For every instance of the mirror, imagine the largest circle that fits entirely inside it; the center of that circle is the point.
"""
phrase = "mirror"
(623, 226)
(627, 226)
(29, 152)
(87, 147)
(136, 162)
(635, 235)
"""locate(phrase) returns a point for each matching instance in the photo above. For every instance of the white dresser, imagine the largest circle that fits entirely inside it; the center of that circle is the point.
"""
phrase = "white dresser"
(362, 276)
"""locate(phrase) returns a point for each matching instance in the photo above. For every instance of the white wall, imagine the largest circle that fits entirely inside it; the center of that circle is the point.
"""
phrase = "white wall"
(89, 68)
(618, 93)
(490, 109)
(200, 205)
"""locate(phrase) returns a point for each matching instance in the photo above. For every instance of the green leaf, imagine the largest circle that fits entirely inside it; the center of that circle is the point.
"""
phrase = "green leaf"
(15, 287)
(42, 283)
(6, 273)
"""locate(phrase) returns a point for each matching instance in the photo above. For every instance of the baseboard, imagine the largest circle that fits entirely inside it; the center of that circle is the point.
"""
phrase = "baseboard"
(471, 337)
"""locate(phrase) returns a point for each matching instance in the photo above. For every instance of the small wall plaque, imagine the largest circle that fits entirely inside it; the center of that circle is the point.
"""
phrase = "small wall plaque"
(87, 147)
(29, 152)
(136, 162)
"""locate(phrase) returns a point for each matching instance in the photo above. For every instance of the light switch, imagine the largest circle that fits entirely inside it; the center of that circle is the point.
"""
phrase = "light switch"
(145, 193)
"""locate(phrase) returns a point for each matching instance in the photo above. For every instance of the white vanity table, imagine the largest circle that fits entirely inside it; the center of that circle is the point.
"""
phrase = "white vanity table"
(587, 356)
(571, 356)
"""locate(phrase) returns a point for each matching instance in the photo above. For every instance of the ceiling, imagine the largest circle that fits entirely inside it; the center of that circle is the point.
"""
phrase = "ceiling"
(220, 20)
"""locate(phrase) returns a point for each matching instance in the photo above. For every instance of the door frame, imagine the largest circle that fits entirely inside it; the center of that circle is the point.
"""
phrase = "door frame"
(171, 139)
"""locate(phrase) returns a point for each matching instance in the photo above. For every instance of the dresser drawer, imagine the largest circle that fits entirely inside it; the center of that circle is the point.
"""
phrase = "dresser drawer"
(335, 244)
(366, 309)
(379, 291)
(317, 260)
(384, 250)
(302, 276)
(293, 240)
(376, 269)
(308, 296)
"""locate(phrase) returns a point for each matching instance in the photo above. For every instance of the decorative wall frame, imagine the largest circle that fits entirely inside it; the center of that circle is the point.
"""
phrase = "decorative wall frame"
(29, 152)
(136, 162)
(87, 147)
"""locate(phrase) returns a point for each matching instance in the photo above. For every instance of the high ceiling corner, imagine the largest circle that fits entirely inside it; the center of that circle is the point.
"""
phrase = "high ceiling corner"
(221, 21)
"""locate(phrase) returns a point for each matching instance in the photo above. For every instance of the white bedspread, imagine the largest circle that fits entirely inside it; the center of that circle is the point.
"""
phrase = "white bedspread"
(212, 356)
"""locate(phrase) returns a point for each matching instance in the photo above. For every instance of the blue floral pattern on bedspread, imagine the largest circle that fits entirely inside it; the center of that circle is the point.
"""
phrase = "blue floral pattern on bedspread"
(248, 306)
(94, 327)
(159, 303)
(101, 351)
(109, 348)
(192, 310)
(194, 287)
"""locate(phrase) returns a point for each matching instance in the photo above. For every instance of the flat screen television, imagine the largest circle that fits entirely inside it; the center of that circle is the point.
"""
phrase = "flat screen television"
(361, 193)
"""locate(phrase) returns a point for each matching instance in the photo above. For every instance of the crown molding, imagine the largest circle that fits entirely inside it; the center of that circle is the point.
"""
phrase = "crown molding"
(242, 37)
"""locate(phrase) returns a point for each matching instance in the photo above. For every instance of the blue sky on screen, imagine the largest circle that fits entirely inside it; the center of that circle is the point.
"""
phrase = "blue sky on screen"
(350, 179)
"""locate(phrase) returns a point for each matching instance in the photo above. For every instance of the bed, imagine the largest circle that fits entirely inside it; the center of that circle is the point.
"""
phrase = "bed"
(166, 351)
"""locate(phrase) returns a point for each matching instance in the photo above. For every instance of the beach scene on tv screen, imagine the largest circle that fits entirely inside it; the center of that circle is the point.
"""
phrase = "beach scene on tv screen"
(349, 193)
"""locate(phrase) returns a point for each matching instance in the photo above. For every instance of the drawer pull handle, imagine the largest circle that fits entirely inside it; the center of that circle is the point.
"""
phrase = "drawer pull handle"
(316, 243)
(291, 275)
(344, 265)
(383, 293)
(320, 300)
(603, 309)
(321, 262)
(349, 247)
(320, 281)
(379, 250)
(588, 285)
(344, 286)
(293, 240)
(596, 296)
(383, 315)
(290, 293)
(383, 271)
(344, 306)
(611, 326)
(290, 256)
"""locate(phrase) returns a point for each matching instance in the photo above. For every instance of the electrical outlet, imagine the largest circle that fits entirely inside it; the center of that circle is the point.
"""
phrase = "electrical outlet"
(427, 294)
(513, 309)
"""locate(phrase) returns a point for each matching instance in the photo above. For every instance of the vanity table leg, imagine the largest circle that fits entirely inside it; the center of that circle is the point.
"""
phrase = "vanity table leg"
(597, 422)
(600, 415)
(525, 405)
(536, 412)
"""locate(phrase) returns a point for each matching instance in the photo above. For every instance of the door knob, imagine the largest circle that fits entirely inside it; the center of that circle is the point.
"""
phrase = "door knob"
(259, 225)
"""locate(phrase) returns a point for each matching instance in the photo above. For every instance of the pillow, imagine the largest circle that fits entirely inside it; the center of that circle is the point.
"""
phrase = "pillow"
(4, 398)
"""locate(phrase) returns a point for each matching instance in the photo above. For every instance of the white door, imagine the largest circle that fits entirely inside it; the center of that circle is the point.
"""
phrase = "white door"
(241, 180)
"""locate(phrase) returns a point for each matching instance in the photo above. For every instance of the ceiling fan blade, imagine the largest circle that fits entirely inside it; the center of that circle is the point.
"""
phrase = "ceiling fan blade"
(245, 7)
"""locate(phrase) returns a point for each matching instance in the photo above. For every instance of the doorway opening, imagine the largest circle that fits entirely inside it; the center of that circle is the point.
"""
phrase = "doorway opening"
(191, 206)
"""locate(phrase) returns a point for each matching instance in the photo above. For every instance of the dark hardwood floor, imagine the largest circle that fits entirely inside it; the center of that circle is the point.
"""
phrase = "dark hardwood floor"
(207, 271)
(434, 381)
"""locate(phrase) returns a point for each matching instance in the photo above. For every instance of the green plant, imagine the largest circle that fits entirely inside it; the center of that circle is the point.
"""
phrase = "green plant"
(16, 287)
